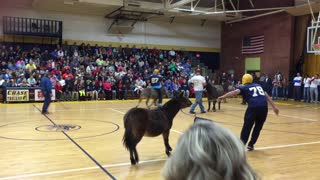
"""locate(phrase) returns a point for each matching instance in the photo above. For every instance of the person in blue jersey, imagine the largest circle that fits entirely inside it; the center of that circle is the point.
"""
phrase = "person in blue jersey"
(257, 110)
(156, 83)
(46, 88)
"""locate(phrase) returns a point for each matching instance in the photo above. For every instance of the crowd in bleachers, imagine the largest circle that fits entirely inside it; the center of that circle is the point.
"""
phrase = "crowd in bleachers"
(96, 72)
(93, 71)
(305, 89)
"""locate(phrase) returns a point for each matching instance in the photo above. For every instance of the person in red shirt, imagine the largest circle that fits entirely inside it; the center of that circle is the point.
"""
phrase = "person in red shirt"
(120, 89)
(58, 89)
(67, 74)
(107, 89)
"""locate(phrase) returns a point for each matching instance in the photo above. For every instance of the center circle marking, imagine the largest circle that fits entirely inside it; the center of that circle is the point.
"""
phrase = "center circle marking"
(58, 128)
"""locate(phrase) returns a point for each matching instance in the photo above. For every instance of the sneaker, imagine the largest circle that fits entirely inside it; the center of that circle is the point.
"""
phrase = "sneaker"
(46, 112)
(203, 111)
(250, 148)
(192, 112)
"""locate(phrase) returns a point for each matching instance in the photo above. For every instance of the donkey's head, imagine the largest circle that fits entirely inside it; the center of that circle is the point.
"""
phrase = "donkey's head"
(183, 101)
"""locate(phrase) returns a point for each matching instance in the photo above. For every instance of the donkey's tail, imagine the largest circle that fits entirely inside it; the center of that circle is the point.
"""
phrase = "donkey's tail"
(127, 139)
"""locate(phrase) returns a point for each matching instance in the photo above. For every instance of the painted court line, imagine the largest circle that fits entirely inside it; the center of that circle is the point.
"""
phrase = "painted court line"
(128, 163)
(176, 131)
(288, 145)
(75, 170)
(116, 111)
(295, 117)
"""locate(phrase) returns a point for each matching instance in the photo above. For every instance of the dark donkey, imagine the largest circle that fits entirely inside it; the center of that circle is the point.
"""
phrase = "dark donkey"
(139, 122)
(149, 93)
(213, 92)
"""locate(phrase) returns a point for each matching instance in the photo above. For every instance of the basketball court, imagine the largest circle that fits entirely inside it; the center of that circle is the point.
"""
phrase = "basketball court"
(83, 140)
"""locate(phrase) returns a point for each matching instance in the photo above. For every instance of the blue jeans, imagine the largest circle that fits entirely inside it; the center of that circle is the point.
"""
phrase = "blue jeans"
(275, 92)
(285, 92)
(306, 94)
(198, 95)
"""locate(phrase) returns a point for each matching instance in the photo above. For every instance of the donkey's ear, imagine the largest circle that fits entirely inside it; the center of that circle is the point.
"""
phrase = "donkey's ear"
(176, 94)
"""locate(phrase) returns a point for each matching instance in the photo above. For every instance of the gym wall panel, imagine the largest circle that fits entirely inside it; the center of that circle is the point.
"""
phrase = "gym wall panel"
(312, 64)
(87, 28)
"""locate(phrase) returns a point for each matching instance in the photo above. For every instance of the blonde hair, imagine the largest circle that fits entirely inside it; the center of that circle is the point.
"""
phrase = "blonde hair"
(208, 151)
(156, 71)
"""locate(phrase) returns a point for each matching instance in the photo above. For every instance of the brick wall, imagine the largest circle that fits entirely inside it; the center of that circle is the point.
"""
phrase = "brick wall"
(278, 30)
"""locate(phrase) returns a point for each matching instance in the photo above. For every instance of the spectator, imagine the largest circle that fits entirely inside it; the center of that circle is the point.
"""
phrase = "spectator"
(267, 86)
(184, 88)
(306, 89)
(285, 88)
(58, 89)
(314, 88)
(114, 90)
(100, 90)
(168, 84)
(297, 87)
(32, 81)
(208, 151)
(223, 78)
(275, 88)
(81, 89)
(60, 54)
(139, 84)
(107, 89)
(21, 79)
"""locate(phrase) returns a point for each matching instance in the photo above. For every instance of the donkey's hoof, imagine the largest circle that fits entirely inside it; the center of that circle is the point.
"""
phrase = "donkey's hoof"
(168, 153)
(133, 162)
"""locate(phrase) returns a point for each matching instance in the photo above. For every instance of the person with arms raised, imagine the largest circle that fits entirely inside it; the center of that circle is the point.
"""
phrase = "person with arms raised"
(257, 110)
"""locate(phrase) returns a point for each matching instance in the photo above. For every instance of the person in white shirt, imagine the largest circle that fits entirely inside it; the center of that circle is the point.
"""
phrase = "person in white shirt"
(172, 53)
(306, 89)
(139, 84)
(297, 87)
(314, 88)
(60, 53)
(198, 85)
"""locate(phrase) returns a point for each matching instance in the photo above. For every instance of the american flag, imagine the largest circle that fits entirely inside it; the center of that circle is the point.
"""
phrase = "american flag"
(253, 45)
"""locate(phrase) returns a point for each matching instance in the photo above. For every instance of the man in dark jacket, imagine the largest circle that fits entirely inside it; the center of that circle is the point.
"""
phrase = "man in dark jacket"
(46, 87)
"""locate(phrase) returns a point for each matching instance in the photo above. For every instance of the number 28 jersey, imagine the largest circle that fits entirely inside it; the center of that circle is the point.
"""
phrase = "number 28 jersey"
(253, 94)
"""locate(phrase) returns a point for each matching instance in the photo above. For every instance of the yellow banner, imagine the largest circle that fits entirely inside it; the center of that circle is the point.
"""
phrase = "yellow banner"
(17, 95)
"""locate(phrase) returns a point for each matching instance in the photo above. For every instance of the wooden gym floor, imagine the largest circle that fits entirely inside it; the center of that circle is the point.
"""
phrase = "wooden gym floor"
(90, 146)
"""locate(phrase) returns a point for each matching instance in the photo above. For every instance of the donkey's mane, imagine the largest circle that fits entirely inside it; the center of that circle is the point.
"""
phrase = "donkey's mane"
(172, 107)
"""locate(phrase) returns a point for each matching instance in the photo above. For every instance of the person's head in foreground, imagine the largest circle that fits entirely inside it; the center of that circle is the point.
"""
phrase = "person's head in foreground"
(208, 151)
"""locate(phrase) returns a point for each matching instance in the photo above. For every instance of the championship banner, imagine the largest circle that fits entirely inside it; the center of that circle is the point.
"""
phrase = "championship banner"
(39, 97)
(16, 95)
